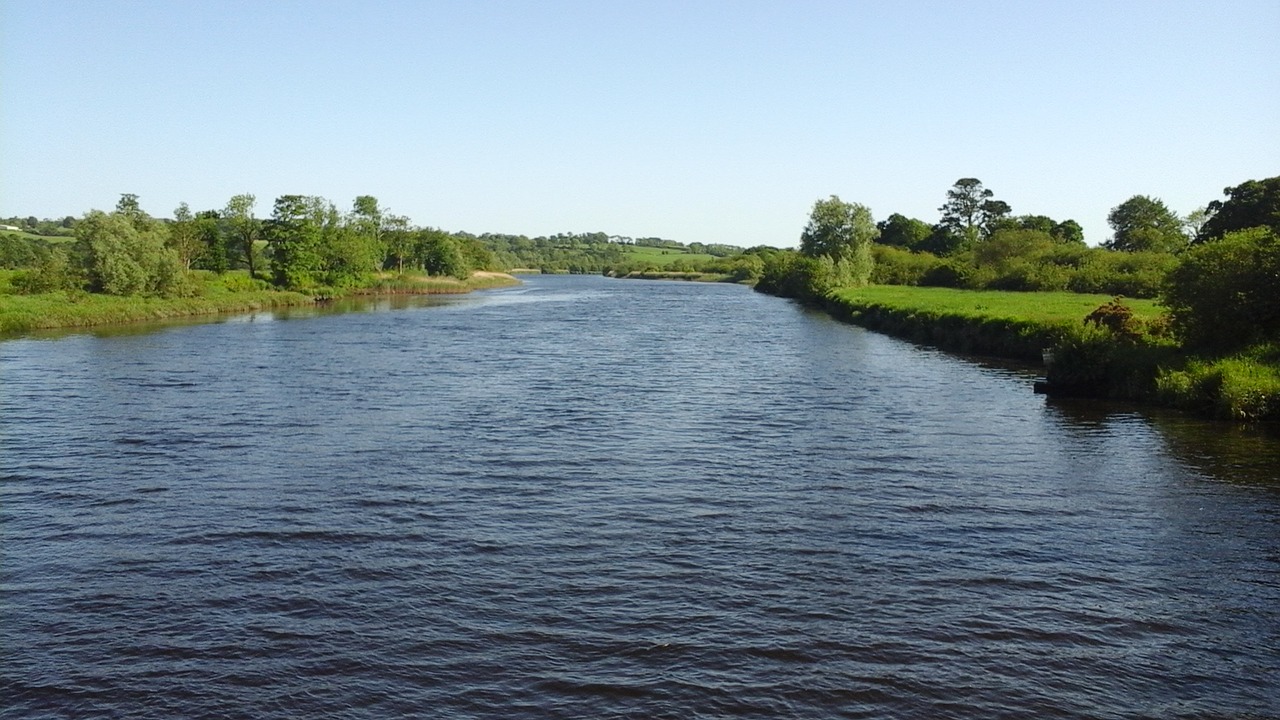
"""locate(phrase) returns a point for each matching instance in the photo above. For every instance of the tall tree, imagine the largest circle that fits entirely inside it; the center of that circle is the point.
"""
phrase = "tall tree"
(836, 247)
(294, 237)
(1144, 223)
(1068, 231)
(184, 237)
(838, 229)
(439, 253)
(245, 229)
(213, 255)
(397, 240)
(903, 231)
(971, 211)
(128, 206)
(1253, 203)
(367, 217)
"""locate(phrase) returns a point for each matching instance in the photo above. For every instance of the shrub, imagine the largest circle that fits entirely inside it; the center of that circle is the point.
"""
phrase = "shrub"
(1110, 272)
(1241, 387)
(949, 274)
(1226, 294)
(897, 266)
(51, 273)
(1118, 318)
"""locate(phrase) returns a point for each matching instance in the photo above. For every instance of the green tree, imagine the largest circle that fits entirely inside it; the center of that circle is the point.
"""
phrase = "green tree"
(439, 254)
(781, 274)
(397, 241)
(294, 236)
(184, 237)
(213, 242)
(368, 219)
(1254, 203)
(1144, 223)
(347, 256)
(942, 241)
(124, 253)
(843, 233)
(245, 229)
(902, 231)
(970, 210)
(1223, 294)
(1068, 231)
(838, 229)
(50, 272)
(128, 206)
(479, 257)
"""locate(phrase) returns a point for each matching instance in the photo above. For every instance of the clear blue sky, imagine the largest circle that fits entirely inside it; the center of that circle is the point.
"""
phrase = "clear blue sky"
(697, 121)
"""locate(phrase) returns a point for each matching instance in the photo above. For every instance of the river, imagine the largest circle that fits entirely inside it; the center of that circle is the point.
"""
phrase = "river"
(598, 498)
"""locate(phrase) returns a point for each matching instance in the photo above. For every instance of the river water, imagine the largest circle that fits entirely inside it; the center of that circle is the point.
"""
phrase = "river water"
(597, 498)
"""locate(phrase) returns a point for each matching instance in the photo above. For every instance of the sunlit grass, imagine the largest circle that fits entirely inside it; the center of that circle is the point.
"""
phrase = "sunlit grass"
(661, 257)
(1040, 307)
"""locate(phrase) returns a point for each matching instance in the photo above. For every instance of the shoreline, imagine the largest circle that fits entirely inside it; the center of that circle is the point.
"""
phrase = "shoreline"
(21, 314)
(1084, 362)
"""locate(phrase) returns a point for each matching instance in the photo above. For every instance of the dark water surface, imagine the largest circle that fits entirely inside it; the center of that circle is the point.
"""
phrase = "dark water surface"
(595, 498)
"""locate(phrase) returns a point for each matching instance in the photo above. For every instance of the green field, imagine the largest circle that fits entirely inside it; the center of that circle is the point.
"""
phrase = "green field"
(43, 238)
(1014, 325)
(661, 257)
(1040, 307)
(1088, 360)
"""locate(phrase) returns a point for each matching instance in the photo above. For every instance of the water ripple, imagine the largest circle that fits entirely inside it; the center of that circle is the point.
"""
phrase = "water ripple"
(594, 498)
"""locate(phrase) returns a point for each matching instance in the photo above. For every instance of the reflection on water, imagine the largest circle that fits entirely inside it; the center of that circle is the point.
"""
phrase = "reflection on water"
(1247, 454)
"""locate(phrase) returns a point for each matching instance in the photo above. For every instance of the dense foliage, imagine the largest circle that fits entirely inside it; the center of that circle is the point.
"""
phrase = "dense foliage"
(1255, 203)
(306, 244)
(1217, 272)
(1226, 294)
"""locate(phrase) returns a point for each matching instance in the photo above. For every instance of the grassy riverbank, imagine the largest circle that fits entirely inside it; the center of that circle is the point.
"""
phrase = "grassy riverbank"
(671, 275)
(1010, 325)
(1134, 360)
(210, 294)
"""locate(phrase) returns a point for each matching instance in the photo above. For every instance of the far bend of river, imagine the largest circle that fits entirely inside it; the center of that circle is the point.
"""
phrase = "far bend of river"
(594, 498)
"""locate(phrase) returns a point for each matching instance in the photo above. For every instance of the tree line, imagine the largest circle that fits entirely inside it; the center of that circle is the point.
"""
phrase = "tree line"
(1217, 270)
(306, 243)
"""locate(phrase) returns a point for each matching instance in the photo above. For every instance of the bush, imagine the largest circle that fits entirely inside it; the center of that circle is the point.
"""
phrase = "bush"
(1242, 387)
(52, 272)
(241, 282)
(17, 251)
(1111, 272)
(125, 254)
(949, 274)
(897, 266)
(1226, 294)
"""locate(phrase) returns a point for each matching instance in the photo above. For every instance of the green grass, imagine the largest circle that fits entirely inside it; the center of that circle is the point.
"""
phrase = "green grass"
(1038, 307)
(1241, 386)
(212, 294)
(22, 313)
(661, 257)
(46, 238)
(1014, 325)
(1091, 361)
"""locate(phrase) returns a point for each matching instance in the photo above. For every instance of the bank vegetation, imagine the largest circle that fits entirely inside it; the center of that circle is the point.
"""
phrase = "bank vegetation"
(1179, 311)
(127, 266)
